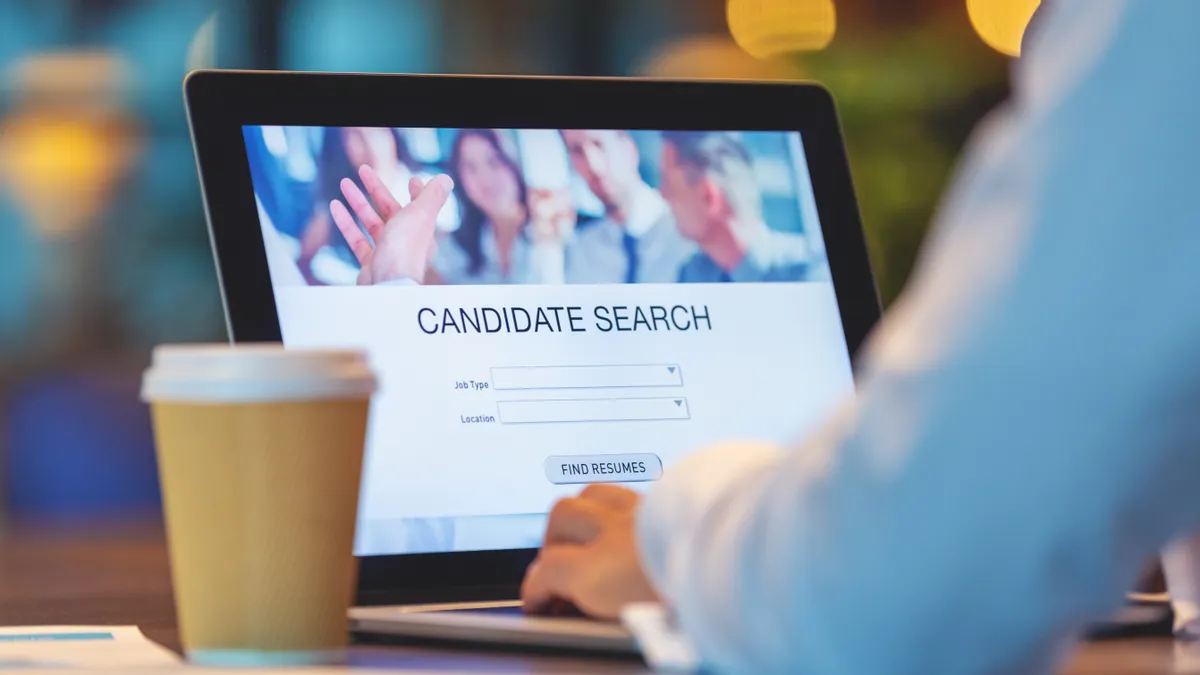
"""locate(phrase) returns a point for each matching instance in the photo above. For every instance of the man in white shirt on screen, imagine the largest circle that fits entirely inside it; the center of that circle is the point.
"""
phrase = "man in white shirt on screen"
(636, 241)
(1025, 433)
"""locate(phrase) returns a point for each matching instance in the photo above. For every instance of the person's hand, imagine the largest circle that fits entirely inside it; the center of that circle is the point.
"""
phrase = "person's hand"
(552, 215)
(589, 558)
(403, 235)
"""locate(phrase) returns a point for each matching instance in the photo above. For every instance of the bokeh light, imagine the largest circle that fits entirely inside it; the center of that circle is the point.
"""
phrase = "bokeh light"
(1002, 23)
(713, 56)
(766, 28)
(66, 142)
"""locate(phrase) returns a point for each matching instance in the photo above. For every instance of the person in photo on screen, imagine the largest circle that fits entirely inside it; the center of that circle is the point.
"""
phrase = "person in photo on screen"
(709, 182)
(342, 151)
(509, 233)
(636, 241)
(402, 238)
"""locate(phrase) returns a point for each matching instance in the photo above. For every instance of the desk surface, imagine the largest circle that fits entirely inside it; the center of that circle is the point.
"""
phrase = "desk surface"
(121, 577)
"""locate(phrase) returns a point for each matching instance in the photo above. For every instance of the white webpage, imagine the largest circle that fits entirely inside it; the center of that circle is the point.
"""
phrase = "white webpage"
(463, 426)
(496, 400)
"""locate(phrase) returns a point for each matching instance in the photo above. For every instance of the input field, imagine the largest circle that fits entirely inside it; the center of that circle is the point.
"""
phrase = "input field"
(593, 410)
(586, 377)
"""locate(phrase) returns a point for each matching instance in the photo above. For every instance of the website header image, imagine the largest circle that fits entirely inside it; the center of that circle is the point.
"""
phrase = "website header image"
(343, 206)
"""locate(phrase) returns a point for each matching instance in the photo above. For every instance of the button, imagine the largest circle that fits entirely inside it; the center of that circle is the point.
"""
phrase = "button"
(578, 469)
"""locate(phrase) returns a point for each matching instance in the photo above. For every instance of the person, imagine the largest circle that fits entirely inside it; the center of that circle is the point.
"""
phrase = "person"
(496, 243)
(341, 151)
(1024, 436)
(402, 237)
(636, 241)
(383, 153)
(708, 180)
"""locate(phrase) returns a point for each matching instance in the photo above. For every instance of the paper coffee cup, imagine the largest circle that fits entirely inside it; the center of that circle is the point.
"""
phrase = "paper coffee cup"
(260, 455)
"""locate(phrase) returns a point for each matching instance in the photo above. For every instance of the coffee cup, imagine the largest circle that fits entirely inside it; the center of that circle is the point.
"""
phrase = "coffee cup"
(260, 452)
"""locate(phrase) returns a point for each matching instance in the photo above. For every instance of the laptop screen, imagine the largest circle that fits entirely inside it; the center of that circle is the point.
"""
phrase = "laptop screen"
(585, 306)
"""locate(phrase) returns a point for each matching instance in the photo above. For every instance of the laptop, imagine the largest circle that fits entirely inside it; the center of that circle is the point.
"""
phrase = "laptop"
(625, 271)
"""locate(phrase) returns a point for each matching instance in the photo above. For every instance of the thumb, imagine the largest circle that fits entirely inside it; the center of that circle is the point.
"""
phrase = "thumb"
(432, 197)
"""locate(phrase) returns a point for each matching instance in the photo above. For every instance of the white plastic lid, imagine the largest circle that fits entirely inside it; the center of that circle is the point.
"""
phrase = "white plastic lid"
(253, 373)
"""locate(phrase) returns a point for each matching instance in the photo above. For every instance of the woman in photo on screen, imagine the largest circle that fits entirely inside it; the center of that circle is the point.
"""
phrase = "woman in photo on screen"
(510, 233)
(495, 243)
(343, 151)
(392, 233)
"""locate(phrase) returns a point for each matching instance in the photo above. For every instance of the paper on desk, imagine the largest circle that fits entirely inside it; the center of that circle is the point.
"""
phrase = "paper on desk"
(95, 647)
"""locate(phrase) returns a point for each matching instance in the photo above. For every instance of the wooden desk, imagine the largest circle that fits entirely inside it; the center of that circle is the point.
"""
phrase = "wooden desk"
(107, 576)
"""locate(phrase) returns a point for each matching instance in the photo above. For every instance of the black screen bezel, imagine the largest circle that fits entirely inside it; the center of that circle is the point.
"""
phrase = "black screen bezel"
(220, 103)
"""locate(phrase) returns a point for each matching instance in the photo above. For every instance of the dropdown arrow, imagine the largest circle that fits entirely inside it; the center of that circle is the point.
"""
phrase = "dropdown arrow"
(678, 402)
(671, 369)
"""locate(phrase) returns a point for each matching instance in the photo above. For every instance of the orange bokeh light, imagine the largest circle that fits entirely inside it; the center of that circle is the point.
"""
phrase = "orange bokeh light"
(1002, 23)
(766, 28)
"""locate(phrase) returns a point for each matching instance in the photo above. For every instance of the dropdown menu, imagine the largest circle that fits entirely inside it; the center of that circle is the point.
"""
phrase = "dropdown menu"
(593, 410)
(586, 377)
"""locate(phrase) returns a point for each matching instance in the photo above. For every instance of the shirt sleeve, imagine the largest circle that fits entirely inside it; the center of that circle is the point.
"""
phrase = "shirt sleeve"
(1024, 433)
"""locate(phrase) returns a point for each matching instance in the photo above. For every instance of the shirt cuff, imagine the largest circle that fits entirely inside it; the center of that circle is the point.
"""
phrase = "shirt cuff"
(673, 512)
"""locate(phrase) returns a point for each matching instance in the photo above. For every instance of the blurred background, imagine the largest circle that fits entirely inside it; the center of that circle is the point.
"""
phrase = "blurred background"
(103, 247)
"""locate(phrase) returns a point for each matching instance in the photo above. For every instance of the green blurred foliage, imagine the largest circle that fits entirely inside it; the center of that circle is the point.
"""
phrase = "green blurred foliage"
(908, 99)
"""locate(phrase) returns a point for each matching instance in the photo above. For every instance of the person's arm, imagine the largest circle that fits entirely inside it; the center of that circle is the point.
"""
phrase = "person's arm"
(1026, 430)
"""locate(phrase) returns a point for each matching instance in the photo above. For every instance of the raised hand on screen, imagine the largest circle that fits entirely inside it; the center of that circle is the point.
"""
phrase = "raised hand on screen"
(402, 237)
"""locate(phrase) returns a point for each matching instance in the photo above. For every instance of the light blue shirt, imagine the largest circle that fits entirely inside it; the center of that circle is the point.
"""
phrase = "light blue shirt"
(598, 254)
(529, 263)
(1027, 426)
